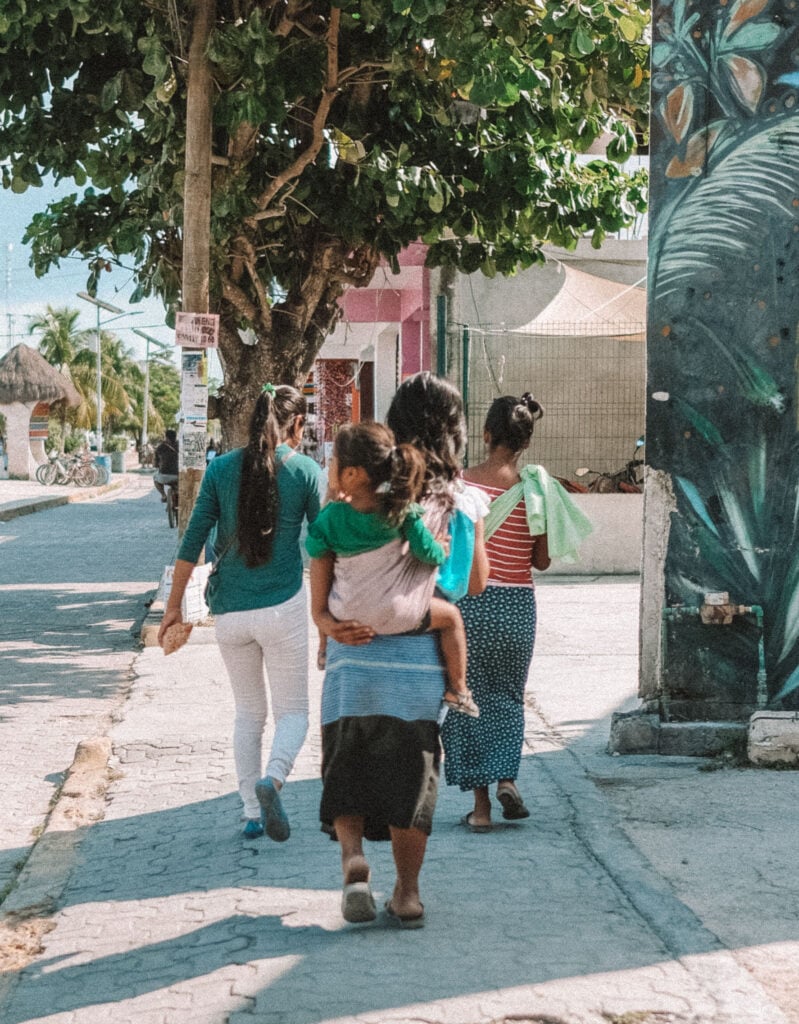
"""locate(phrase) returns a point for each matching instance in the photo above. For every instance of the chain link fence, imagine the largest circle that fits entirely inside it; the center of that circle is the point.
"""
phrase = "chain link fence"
(592, 387)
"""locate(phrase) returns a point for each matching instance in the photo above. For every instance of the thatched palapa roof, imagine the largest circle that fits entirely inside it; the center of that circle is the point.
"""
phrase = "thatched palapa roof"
(25, 376)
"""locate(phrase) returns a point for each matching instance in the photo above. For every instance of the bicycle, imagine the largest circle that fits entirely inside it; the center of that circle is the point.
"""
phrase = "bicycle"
(77, 469)
(627, 480)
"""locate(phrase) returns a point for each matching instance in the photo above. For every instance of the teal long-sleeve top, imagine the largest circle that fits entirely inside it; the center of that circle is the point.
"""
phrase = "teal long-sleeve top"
(240, 588)
(345, 531)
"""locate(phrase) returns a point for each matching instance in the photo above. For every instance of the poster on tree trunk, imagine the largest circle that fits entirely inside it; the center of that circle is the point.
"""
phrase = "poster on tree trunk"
(194, 388)
(193, 443)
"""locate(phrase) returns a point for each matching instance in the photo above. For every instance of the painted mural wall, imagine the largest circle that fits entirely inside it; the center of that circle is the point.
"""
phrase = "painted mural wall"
(722, 348)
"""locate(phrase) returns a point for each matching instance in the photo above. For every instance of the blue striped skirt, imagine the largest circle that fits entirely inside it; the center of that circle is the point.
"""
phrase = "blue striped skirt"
(380, 746)
(401, 676)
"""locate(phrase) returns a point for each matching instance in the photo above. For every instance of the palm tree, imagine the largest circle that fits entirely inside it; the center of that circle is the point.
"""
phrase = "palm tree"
(116, 362)
(60, 343)
(60, 339)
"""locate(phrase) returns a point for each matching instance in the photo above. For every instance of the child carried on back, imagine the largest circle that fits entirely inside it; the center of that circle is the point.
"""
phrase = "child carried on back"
(380, 484)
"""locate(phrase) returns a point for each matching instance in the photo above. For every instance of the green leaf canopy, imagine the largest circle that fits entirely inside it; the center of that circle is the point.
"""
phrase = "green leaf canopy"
(341, 134)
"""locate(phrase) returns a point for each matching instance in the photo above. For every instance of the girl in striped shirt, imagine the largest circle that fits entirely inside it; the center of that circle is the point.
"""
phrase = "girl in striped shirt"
(500, 625)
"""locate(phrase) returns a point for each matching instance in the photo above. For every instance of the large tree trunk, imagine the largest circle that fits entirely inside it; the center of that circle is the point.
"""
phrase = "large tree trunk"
(289, 339)
(280, 357)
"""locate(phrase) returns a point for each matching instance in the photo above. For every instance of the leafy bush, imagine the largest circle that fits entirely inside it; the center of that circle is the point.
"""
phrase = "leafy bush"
(73, 441)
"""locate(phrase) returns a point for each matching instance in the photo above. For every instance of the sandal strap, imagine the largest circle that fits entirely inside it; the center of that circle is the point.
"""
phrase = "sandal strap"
(460, 698)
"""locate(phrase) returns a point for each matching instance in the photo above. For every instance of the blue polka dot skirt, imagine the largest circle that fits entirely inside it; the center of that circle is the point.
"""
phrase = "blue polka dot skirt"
(500, 635)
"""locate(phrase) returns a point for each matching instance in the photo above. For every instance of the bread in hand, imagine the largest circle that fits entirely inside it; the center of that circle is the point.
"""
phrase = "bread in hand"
(176, 636)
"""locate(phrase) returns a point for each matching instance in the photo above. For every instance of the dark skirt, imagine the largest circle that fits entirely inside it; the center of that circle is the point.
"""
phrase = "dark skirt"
(380, 768)
(500, 634)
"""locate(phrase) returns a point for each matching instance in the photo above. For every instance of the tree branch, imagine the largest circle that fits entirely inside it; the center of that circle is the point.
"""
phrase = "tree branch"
(276, 211)
(238, 299)
(244, 250)
(329, 93)
(332, 268)
(241, 144)
(348, 73)
(291, 18)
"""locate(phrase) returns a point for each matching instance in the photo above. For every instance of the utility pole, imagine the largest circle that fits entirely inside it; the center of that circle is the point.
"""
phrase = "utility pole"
(162, 348)
(99, 304)
(196, 221)
(9, 315)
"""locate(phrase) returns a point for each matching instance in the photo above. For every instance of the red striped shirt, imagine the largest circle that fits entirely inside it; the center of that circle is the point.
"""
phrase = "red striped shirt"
(510, 549)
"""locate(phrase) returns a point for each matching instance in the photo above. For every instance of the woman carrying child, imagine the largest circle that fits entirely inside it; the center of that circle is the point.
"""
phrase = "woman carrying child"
(381, 483)
(382, 693)
(530, 520)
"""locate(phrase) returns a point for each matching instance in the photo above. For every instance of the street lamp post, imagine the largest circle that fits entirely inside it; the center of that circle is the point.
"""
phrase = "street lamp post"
(111, 309)
(150, 340)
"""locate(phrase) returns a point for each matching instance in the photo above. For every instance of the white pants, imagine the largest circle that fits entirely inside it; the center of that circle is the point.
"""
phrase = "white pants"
(275, 639)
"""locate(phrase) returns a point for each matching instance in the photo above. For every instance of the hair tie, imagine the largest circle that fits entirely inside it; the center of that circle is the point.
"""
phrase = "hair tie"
(269, 389)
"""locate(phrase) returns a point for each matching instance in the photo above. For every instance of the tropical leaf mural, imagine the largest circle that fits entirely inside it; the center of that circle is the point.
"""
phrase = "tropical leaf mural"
(732, 213)
(723, 328)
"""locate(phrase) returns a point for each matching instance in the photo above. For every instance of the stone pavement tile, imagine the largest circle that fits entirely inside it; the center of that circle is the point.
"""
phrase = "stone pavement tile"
(65, 647)
(533, 903)
(721, 840)
(26, 792)
(170, 912)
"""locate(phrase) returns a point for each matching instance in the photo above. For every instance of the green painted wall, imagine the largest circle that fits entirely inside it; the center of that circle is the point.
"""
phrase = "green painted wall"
(722, 344)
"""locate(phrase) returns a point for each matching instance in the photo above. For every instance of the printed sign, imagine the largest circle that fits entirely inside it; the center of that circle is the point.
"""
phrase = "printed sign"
(193, 607)
(192, 447)
(197, 330)
(194, 388)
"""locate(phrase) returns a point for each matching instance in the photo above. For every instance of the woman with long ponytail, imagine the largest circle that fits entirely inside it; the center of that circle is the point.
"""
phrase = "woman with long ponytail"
(258, 497)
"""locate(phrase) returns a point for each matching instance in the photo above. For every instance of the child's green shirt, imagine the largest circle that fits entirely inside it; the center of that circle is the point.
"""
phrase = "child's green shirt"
(343, 530)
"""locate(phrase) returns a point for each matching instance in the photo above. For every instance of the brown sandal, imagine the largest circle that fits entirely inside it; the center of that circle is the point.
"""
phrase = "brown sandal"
(463, 702)
(513, 808)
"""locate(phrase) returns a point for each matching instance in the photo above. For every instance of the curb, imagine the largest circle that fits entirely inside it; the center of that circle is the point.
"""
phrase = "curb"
(27, 909)
(27, 507)
(151, 623)
(737, 990)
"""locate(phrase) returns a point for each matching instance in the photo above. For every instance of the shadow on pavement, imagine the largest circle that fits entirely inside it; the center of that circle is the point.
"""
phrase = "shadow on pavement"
(519, 907)
(78, 591)
(172, 908)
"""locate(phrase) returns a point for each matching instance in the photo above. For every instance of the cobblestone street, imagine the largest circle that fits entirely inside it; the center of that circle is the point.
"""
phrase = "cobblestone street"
(641, 891)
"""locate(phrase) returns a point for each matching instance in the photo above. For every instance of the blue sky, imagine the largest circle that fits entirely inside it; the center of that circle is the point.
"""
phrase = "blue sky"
(22, 294)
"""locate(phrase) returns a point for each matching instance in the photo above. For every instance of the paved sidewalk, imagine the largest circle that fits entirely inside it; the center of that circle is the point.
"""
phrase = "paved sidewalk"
(641, 891)
(72, 599)
(22, 497)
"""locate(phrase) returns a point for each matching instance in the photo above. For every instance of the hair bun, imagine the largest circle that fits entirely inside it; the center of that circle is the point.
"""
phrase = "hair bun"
(534, 407)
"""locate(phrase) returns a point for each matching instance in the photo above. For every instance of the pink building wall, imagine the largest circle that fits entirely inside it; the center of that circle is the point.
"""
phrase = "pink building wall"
(407, 305)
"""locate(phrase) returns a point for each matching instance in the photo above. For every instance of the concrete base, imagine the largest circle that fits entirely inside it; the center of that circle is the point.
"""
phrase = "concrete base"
(773, 738)
(642, 732)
